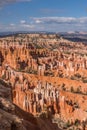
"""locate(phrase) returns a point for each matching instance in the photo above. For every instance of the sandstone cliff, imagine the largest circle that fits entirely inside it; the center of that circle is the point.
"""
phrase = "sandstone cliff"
(14, 118)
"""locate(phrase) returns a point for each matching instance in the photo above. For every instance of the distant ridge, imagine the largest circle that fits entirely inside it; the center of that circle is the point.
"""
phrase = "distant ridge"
(2, 34)
(71, 35)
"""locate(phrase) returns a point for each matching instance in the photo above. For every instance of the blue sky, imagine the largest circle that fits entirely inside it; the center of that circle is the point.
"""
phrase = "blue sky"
(43, 15)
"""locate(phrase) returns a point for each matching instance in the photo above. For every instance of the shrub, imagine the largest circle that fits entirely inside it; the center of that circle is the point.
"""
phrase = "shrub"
(72, 78)
(78, 90)
(72, 89)
(85, 81)
(3, 76)
(77, 122)
(43, 115)
(77, 75)
(63, 87)
(68, 124)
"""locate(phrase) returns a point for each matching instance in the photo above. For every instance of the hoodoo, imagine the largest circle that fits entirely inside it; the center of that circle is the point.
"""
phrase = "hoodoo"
(41, 85)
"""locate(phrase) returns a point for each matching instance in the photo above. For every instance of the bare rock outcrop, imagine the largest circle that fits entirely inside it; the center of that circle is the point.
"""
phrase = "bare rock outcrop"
(14, 118)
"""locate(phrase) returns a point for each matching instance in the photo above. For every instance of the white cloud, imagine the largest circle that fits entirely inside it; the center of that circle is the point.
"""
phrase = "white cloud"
(53, 24)
(38, 21)
(60, 20)
(4, 2)
(24, 24)
(22, 21)
(52, 11)
(28, 26)
(60, 23)
(12, 24)
(22, 0)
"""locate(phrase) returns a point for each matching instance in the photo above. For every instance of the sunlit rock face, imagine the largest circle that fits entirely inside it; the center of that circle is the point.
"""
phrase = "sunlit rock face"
(8, 119)
(45, 75)
(14, 118)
